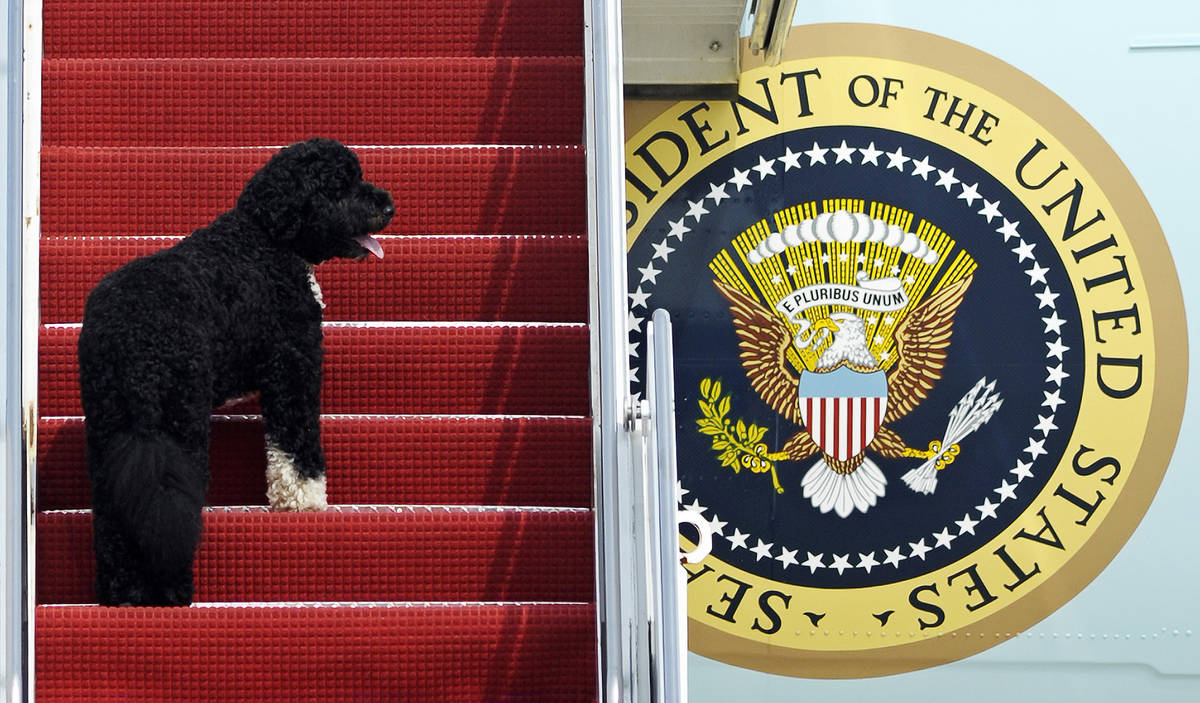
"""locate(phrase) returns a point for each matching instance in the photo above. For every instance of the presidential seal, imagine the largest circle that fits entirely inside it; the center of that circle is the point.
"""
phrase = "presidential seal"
(928, 375)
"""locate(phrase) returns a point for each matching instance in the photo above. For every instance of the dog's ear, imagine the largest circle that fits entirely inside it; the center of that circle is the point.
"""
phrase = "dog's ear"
(279, 196)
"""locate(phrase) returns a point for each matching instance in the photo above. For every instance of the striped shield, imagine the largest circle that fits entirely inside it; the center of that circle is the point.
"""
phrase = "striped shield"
(842, 409)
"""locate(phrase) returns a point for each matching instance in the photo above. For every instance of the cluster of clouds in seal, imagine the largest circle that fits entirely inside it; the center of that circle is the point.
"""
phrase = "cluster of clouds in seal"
(842, 227)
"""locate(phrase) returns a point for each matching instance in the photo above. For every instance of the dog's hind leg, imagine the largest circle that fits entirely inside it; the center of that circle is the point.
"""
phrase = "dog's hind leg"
(147, 519)
(291, 407)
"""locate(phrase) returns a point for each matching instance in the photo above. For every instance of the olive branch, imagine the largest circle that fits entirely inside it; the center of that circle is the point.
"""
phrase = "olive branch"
(740, 445)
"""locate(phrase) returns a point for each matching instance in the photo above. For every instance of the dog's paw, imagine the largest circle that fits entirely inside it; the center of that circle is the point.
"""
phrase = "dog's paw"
(286, 490)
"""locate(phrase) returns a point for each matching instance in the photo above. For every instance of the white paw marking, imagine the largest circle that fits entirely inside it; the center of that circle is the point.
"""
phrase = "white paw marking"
(286, 490)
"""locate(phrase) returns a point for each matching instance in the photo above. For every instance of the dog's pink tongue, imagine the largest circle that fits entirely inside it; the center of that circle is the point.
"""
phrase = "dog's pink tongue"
(371, 244)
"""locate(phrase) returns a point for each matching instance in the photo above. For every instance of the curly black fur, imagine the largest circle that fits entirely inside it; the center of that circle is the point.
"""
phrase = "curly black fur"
(228, 311)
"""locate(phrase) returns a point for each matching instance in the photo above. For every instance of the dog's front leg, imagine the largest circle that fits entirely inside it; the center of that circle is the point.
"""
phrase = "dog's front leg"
(291, 407)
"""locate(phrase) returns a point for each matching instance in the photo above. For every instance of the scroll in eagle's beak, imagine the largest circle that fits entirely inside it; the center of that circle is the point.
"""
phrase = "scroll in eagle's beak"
(808, 334)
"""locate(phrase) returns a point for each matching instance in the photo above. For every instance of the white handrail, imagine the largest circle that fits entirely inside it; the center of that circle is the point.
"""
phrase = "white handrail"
(22, 102)
(620, 613)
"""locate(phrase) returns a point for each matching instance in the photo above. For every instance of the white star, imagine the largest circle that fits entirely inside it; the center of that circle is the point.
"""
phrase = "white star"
(1045, 425)
(988, 509)
(825, 258)
(867, 561)
(816, 154)
(1037, 274)
(776, 279)
(878, 262)
(661, 250)
(787, 557)
(860, 259)
(909, 280)
(1036, 448)
(1056, 374)
(843, 257)
(843, 154)
(790, 159)
(633, 322)
(918, 549)
(944, 538)
(897, 159)
(762, 551)
(1054, 323)
(814, 562)
(1053, 400)
(738, 540)
(765, 168)
(841, 562)
(870, 154)
(678, 229)
(696, 209)
(680, 491)
(1046, 298)
(1056, 349)
(966, 526)
(894, 270)
(792, 270)
(741, 179)
(649, 273)
(946, 179)
(718, 525)
(633, 349)
(808, 263)
(1007, 491)
(717, 193)
(970, 193)
(695, 507)
(1022, 470)
(922, 168)
(991, 210)
(638, 298)
(894, 557)
(1024, 251)
(633, 375)
(1009, 230)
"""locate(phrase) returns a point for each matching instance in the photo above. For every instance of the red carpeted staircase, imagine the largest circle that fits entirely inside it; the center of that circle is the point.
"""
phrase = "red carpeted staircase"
(457, 560)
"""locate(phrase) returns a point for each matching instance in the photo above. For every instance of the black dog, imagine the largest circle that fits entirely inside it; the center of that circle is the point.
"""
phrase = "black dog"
(230, 310)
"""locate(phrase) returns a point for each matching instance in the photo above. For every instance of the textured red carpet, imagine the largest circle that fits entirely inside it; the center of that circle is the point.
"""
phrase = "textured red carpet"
(500, 278)
(90, 190)
(256, 102)
(449, 653)
(456, 385)
(508, 369)
(293, 28)
(408, 460)
(356, 554)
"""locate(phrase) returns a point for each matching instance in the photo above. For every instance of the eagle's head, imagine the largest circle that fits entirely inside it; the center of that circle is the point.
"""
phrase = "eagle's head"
(849, 343)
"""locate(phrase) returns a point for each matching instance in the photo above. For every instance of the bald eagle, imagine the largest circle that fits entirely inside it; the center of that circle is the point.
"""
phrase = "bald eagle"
(921, 339)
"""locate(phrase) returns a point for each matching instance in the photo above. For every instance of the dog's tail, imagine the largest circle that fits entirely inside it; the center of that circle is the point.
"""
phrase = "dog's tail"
(159, 496)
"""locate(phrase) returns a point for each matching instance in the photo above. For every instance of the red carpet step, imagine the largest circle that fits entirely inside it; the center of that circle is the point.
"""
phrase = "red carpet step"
(438, 190)
(255, 102)
(355, 554)
(406, 369)
(453, 653)
(409, 460)
(501, 278)
(295, 28)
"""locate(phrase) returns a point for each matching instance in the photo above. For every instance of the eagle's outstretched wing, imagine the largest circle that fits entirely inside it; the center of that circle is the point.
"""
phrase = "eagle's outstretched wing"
(921, 341)
(764, 341)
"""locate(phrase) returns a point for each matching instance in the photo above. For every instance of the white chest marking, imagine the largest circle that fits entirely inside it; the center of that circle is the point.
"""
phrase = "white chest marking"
(315, 288)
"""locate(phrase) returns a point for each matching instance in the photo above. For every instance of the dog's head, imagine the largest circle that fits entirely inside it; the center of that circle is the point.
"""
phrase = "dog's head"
(311, 198)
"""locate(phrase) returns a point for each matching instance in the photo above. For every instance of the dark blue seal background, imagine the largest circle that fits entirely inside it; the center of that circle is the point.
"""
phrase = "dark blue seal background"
(998, 333)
